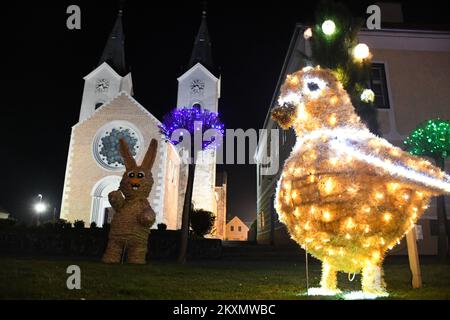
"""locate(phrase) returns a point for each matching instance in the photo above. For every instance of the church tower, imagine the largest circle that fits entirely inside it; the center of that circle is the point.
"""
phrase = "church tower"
(94, 165)
(110, 77)
(199, 86)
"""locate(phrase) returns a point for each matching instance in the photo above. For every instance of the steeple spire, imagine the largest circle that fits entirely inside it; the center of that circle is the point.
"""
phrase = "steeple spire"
(114, 52)
(202, 46)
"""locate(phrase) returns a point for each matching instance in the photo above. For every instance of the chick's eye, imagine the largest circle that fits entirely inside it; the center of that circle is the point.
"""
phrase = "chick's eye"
(131, 174)
(140, 175)
(312, 86)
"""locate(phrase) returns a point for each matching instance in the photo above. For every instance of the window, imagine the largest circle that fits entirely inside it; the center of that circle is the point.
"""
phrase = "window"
(239, 228)
(378, 85)
(232, 228)
(197, 105)
(434, 227)
(98, 105)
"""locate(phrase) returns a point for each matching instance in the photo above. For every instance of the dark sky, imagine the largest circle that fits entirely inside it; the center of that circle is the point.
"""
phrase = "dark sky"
(45, 63)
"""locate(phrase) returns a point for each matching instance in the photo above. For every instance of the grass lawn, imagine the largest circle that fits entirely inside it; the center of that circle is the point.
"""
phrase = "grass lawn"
(41, 278)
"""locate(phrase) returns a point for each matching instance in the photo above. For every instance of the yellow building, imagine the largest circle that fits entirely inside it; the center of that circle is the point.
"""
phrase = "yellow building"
(236, 230)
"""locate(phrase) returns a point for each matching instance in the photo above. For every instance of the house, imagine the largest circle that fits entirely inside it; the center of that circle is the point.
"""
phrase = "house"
(410, 76)
(236, 230)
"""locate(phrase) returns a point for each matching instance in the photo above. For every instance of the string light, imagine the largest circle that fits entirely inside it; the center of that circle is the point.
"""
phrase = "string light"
(328, 27)
(361, 52)
(367, 96)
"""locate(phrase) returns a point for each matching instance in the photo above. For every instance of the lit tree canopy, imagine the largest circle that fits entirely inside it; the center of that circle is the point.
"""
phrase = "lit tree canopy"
(185, 118)
(431, 138)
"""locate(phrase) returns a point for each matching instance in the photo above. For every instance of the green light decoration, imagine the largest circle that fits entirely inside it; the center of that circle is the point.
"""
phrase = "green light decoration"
(431, 138)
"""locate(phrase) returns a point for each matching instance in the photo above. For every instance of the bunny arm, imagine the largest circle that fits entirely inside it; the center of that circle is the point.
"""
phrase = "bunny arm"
(116, 199)
(147, 217)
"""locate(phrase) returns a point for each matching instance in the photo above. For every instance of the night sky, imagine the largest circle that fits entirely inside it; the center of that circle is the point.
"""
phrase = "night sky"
(45, 64)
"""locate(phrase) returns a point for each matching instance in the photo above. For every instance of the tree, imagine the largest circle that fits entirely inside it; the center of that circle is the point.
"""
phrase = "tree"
(202, 222)
(178, 125)
(78, 224)
(432, 139)
(334, 45)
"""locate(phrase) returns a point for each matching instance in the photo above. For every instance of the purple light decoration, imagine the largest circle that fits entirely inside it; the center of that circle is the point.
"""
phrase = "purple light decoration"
(185, 118)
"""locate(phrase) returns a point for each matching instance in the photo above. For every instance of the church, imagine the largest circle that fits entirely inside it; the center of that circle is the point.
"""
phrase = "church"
(110, 112)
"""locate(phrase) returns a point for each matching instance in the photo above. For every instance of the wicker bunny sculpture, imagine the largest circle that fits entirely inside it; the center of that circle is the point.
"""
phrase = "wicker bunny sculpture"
(134, 216)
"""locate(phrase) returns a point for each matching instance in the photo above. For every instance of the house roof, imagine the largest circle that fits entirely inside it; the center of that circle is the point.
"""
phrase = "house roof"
(238, 220)
(114, 51)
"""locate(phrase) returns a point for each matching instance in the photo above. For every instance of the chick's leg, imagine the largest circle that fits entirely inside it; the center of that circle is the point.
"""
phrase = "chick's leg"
(329, 278)
(372, 280)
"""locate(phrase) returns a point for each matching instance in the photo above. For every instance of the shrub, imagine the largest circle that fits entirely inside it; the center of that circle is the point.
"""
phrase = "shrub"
(162, 226)
(202, 222)
(78, 224)
(93, 225)
(7, 223)
(48, 225)
(62, 224)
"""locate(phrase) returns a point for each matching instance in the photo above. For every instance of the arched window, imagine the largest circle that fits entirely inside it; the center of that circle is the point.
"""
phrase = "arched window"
(197, 105)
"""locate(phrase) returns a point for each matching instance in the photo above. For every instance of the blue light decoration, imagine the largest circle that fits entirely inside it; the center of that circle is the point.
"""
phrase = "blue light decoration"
(185, 118)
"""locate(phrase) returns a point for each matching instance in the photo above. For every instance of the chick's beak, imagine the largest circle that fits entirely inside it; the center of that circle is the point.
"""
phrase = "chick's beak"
(284, 115)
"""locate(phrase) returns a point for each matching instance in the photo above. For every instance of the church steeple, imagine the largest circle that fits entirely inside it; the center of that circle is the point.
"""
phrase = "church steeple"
(201, 51)
(114, 52)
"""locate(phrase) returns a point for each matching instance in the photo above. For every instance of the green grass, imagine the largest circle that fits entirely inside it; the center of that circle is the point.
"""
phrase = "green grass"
(26, 278)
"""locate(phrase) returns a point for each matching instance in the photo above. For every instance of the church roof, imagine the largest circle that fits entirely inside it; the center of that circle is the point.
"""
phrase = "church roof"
(114, 51)
(201, 52)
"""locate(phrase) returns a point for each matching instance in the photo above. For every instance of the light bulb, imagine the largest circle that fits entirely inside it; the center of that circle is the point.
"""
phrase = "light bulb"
(387, 217)
(328, 27)
(361, 51)
(307, 34)
(367, 96)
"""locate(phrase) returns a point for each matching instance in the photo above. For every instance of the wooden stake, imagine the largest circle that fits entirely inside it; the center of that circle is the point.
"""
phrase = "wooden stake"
(413, 256)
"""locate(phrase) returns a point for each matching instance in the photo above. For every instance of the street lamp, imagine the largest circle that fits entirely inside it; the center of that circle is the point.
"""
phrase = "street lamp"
(40, 207)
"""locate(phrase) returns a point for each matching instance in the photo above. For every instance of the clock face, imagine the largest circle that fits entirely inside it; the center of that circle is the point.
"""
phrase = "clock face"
(197, 86)
(102, 85)
(106, 145)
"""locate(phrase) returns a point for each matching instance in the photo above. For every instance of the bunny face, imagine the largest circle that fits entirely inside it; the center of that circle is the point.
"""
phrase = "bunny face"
(302, 99)
(137, 181)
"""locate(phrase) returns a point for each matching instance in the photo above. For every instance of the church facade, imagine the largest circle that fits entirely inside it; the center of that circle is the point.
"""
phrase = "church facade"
(109, 112)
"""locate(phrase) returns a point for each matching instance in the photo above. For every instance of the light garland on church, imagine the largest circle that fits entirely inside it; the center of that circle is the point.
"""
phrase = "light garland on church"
(346, 195)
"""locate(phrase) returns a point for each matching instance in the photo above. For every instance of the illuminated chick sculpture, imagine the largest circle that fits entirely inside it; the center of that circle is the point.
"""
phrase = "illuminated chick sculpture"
(346, 195)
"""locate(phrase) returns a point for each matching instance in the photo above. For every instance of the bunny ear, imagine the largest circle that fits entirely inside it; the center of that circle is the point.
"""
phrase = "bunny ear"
(150, 156)
(126, 155)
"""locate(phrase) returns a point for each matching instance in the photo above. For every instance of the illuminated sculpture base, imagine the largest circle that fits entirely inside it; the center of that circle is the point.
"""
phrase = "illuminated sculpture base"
(360, 295)
(353, 295)
(323, 292)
